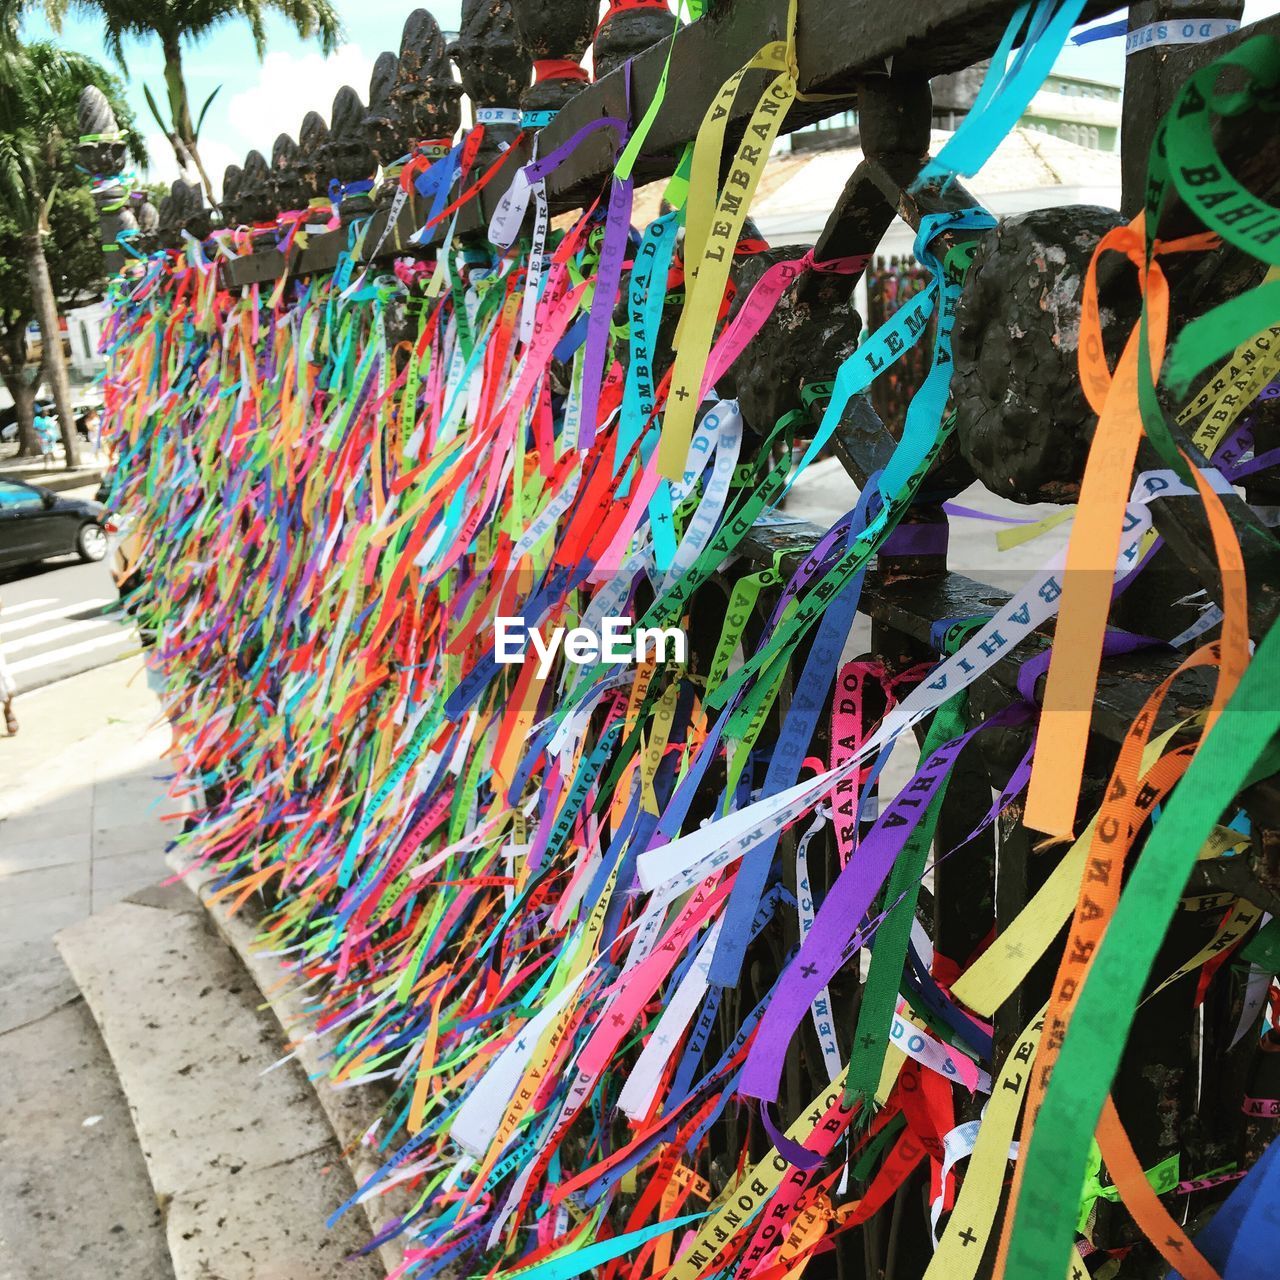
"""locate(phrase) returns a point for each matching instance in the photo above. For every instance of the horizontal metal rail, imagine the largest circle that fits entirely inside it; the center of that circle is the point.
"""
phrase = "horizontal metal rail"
(837, 46)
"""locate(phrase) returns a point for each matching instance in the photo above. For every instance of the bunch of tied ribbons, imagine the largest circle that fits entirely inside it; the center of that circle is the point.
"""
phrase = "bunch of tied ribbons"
(579, 920)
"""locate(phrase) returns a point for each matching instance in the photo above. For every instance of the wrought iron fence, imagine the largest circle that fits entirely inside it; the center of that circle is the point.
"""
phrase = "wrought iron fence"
(268, 391)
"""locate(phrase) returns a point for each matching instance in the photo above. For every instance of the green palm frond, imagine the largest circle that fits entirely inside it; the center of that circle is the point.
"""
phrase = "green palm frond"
(18, 192)
(192, 20)
(155, 109)
(208, 102)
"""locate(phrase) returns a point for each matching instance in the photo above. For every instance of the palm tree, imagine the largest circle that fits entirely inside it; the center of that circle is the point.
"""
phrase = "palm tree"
(174, 22)
(39, 92)
(10, 19)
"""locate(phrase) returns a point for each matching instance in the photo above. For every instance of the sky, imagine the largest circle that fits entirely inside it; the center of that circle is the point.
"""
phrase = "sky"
(1104, 60)
(259, 100)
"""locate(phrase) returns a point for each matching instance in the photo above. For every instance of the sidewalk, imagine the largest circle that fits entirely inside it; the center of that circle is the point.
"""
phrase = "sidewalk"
(34, 471)
(80, 785)
(81, 793)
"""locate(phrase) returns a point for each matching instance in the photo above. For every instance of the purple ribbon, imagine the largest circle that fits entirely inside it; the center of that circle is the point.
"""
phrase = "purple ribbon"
(1258, 463)
(972, 513)
(837, 933)
(617, 227)
(1114, 643)
(916, 540)
(535, 170)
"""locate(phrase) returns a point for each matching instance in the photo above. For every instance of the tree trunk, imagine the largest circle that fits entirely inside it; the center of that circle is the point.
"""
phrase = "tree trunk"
(204, 177)
(54, 363)
(24, 401)
(187, 151)
(13, 361)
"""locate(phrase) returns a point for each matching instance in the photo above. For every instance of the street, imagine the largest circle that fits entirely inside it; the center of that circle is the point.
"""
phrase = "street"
(59, 618)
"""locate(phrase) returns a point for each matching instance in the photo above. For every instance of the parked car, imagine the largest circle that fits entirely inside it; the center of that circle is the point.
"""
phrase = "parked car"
(36, 522)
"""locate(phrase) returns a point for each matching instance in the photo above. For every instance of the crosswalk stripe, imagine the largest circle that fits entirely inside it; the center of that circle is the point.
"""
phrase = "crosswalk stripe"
(10, 609)
(51, 615)
(41, 639)
(49, 657)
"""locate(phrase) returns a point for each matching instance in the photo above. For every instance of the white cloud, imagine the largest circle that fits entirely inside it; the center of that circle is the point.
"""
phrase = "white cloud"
(163, 166)
(289, 85)
(216, 156)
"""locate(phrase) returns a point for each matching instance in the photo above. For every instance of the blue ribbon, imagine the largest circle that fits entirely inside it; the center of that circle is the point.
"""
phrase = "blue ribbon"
(1242, 1238)
(1107, 31)
(807, 704)
(339, 191)
(1006, 91)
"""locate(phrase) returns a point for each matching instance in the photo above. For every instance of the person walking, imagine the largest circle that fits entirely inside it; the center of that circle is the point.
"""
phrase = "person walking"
(92, 421)
(48, 434)
(8, 689)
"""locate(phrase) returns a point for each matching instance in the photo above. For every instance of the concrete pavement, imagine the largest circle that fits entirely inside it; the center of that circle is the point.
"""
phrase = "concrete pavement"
(237, 1147)
(81, 797)
(151, 1130)
(75, 1199)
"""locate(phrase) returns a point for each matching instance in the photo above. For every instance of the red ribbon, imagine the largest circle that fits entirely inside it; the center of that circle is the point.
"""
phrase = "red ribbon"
(558, 69)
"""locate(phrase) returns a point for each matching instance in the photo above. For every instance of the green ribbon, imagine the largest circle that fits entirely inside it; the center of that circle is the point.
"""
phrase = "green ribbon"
(1163, 1177)
(1054, 1176)
(1263, 949)
(1183, 153)
(889, 951)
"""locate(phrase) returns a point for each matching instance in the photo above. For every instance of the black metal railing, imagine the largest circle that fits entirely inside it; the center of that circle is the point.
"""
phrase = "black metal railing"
(877, 56)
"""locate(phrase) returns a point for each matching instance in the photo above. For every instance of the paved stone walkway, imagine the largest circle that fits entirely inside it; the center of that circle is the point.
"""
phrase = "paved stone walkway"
(81, 794)
(81, 797)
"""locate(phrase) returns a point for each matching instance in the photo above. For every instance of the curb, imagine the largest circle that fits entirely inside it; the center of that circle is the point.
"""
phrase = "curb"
(351, 1112)
(58, 481)
(238, 1152)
